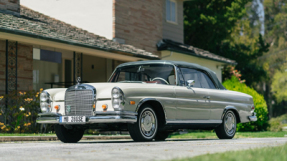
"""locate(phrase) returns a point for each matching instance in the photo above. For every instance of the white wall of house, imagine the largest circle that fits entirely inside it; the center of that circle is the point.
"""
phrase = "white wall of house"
(212, 65)
(92, 15)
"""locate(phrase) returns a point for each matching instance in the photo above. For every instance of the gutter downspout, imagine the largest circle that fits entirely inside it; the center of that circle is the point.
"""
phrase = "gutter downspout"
(171, 52)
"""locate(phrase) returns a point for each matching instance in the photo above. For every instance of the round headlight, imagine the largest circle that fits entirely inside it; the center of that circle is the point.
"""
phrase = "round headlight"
(116, 93)
(44, 96)
(44, 106)
(116, 101)
(44, 109)
(117, 98)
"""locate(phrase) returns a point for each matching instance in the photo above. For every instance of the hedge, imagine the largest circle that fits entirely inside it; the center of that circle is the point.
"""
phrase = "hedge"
(260, 106)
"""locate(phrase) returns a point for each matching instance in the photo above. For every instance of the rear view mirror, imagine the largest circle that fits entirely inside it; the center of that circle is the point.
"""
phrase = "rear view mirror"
(190, 83)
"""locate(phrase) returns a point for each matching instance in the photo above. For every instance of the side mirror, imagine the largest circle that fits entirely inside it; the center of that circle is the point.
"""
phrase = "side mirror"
(190, 83)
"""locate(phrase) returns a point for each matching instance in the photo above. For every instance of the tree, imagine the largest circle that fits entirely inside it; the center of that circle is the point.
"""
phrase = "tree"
(208, 22)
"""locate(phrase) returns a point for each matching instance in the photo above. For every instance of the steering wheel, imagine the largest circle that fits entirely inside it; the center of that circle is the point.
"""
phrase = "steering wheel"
(161, 79)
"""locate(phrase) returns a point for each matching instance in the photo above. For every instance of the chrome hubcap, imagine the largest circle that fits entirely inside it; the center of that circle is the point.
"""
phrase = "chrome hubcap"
(229, 124)
(148, 123)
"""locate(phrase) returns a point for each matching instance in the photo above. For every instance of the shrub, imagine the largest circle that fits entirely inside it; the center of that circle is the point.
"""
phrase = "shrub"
(276, 124)
(260, 106)
(19, 112)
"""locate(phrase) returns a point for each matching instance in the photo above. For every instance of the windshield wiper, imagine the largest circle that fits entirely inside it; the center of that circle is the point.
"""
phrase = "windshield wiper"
(126, 81)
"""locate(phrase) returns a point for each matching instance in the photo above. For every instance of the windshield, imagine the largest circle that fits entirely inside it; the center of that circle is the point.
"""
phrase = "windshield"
(152, 73)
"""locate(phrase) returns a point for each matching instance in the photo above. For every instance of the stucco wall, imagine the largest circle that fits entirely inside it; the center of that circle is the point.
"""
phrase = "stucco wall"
(212, 65)
(96, 74)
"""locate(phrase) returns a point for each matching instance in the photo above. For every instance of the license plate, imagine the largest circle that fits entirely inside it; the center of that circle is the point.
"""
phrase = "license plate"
(72, 119)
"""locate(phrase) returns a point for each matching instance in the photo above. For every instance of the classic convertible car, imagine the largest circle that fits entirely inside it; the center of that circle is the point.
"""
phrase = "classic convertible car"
(150, 99)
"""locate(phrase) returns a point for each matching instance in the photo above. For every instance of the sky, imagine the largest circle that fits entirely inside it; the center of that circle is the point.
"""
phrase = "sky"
(92, 15)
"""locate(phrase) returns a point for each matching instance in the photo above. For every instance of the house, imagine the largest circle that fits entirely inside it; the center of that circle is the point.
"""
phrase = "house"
(152, 25)
(37, 51)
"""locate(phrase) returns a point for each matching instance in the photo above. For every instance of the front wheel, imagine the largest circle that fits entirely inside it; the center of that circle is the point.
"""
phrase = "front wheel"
(69, 135)
(227, 129)
(147, 125)
(161, 136)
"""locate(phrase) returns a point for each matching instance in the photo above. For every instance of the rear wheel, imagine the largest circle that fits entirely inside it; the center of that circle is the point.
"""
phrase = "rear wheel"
(69, 135)
(147, 125)
(227, 129)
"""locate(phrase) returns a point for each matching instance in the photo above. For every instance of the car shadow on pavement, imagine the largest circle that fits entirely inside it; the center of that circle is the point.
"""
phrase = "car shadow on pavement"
(131, 141)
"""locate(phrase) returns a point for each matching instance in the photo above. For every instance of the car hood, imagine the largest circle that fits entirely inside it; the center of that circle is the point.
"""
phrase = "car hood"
(104, 90)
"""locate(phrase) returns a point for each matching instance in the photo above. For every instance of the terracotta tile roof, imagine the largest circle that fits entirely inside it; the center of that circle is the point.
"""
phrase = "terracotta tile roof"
(166, 44)
(35, 24)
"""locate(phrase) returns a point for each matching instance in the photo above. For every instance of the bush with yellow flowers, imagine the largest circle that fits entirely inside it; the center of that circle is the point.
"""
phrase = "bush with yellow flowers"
(18, 112)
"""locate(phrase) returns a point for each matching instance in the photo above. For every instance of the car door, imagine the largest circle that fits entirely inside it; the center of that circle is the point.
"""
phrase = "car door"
(192, 103)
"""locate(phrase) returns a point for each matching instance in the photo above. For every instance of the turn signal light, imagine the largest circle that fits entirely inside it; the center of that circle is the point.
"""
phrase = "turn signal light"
(132, 102)
(57, 107)
(105, 107)
(94, 106)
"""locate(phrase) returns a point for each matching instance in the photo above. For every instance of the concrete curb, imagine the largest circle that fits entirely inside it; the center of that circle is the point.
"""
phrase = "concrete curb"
(54, 138)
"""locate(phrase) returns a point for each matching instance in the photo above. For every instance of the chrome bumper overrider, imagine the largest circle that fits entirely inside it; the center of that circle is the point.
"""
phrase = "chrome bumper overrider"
(253, 117)
(100, 117)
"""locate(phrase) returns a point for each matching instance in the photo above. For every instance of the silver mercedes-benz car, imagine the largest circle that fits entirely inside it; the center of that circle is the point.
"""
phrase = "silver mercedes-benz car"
(150, 99)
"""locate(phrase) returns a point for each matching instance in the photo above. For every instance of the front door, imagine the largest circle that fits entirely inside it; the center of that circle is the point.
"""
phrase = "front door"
(193, 103)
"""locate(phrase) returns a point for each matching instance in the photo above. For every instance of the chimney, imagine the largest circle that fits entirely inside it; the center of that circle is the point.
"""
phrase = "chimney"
(10, 7)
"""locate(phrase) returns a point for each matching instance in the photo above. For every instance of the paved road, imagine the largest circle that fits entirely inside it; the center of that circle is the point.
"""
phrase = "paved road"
(126, 149)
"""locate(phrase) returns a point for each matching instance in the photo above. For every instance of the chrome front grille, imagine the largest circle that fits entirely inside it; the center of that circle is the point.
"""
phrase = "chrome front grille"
(79, 102)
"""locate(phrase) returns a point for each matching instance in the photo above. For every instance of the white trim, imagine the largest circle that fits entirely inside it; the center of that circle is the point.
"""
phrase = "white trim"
(176, 15)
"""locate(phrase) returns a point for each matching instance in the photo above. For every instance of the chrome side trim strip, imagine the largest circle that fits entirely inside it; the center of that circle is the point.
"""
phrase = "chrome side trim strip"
(193, 121)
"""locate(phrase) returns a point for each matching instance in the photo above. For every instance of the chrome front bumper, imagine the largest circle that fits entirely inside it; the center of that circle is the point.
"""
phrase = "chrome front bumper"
(253, 117)
(100, 117)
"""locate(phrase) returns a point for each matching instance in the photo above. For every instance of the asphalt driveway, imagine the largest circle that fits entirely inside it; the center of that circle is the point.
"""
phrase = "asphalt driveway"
(126, 149)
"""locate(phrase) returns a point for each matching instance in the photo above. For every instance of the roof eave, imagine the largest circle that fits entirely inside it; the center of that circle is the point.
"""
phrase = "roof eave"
(190, 53)
(23, 33)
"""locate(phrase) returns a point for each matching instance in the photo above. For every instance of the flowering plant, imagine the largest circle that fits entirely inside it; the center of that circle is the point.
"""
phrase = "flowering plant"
(19, 111)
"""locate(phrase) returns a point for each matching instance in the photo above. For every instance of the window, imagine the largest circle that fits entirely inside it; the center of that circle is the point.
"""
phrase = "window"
(152, 73)
(200, 78)
(171, 11)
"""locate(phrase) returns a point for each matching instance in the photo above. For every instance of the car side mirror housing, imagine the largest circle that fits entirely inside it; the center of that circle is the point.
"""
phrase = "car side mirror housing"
(190, 83)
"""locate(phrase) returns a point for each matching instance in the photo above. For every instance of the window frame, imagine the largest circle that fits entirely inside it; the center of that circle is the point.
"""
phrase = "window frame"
(166, 13)
(202, 71)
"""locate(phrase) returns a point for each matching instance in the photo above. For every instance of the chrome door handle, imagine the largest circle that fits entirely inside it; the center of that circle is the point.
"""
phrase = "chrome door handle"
(207, 97)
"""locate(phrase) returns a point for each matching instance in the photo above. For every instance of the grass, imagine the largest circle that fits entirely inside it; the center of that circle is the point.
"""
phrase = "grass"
(263, 154)
(212, 135)
(15, 134)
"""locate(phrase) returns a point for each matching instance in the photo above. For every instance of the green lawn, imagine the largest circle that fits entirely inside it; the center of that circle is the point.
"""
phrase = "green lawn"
(7, 134)
(212, 135)
(262, 154)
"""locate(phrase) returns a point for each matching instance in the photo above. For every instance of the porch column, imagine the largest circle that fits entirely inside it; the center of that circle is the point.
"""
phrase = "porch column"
(78, 66)
(11, 66)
